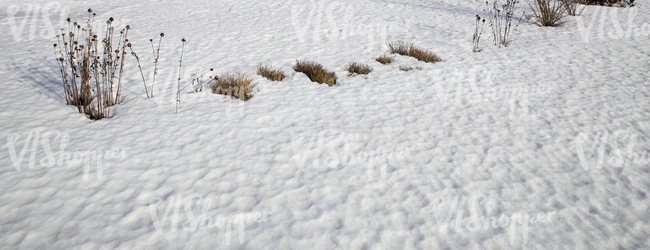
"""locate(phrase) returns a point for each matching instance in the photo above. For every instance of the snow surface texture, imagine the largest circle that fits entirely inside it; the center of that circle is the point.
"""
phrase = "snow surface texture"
(486, 150)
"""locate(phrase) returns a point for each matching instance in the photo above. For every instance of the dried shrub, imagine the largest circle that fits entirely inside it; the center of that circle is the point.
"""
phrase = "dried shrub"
(547, 12)
(408, 49)
(270, 73)
(315, 72)
(609, 3)
(238, 86)
(571, 7)
(357, 68)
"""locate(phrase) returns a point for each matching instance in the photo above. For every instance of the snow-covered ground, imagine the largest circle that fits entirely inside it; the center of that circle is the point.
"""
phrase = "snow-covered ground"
(528, 146)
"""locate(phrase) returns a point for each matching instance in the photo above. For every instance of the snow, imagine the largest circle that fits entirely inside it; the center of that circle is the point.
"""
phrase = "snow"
(391, 160)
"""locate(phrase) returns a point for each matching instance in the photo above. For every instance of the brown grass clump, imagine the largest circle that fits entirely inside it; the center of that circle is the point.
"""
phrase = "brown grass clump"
(407, 68)
(315, 72)
(270, 73)
(408, 49)
(238, 86)
(384, 59)
(357, 68)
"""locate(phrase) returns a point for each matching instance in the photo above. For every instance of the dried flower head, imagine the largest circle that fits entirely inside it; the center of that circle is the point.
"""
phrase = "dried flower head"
(183, 40)
(128, 45)
(111, 19)
(55, 45)
(90, 10)
(128, 27)
(162, 34)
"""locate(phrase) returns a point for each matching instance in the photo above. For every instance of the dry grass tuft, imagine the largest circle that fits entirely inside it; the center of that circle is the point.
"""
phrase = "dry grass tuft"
(238, 86)
(384, 59)
(270, 73)
(358, 68)
(315, 72)
(409, 49)
(407, 68)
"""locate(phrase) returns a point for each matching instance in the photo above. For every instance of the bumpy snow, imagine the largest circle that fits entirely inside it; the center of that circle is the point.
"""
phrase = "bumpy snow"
(543, 144)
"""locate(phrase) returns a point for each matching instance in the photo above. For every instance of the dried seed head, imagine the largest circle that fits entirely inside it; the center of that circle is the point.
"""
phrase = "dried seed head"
(90, 10)
(117, 51)
(111, 19)
(211, 69)
(150, 40)
(128, 45)
(61, 59)
(55, 45)
(69, 19)
(95, 36)
(183, 40)
(128, 27)
(162, 34)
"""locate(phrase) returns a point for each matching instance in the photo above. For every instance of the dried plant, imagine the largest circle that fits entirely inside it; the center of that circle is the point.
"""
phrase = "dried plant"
(477, 33)
(407, 68)
(237, 86)
(270, 73)
(547, 12)
(180, 69)
(156, 55)
(91, 69)
(315, 72)
(500, 21)
(408, 49)
(357, 68)
(609, 3)
(384, 59)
